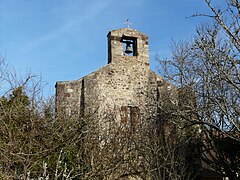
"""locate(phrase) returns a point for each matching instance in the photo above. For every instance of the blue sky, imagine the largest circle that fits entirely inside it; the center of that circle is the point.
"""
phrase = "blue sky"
(66, 39)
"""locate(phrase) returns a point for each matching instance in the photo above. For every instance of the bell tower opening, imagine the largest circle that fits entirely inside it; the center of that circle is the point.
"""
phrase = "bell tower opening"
(129, 45)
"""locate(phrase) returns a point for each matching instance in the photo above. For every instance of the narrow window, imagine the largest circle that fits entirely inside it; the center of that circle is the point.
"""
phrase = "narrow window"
(130, 116)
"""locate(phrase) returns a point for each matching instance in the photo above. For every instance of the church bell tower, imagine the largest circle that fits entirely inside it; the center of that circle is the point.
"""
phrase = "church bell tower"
(127, 45)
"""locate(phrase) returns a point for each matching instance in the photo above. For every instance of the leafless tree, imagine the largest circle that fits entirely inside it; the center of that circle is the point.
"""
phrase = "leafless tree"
(206, 71)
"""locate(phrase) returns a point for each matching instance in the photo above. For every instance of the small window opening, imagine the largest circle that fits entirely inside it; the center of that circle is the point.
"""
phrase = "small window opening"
(130, 116)
(129, 45)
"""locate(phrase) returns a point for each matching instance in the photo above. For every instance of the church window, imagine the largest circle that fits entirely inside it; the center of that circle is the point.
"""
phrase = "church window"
(129, 116)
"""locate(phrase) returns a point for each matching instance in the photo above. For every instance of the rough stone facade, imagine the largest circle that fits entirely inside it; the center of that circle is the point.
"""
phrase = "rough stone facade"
(125, 89)
(125, 84)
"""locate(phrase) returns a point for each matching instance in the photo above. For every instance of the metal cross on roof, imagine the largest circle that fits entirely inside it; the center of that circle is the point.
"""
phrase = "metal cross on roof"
(128, 23)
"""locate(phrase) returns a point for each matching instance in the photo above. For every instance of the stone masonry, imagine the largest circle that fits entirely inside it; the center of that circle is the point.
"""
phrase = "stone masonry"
(126, 88)
(126, 82)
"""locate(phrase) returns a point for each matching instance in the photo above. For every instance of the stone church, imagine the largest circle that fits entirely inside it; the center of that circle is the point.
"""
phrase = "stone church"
(125, 87)
(126, 84)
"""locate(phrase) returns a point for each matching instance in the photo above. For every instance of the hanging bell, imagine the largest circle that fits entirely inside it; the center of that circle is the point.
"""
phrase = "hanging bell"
(129, 49)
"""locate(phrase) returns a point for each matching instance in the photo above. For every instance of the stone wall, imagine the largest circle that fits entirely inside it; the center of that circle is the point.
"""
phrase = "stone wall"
(111, 87)
(126, 88)
(115, 46)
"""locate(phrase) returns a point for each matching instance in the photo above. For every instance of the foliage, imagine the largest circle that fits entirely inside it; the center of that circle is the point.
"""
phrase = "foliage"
(29, 138)
(32, 135)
